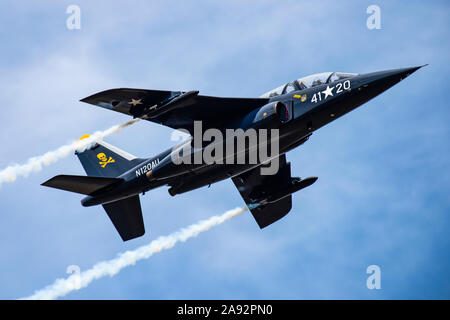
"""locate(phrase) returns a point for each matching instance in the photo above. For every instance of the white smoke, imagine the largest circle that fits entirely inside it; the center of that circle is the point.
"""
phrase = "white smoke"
(34, 164)
(61, 287)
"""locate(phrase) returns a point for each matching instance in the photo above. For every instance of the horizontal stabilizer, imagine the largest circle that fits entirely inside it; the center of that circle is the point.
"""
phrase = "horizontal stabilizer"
(80, 184)
(126, 215)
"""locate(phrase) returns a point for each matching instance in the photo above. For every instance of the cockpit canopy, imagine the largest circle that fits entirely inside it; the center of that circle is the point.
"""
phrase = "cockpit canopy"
(308, 82)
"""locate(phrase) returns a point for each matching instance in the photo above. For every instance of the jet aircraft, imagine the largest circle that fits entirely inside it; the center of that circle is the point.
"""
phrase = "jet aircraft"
(296, 109)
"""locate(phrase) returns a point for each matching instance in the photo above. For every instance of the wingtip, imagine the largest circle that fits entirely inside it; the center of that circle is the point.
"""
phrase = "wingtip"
(313, 179)
(46, 183)
(87, 99)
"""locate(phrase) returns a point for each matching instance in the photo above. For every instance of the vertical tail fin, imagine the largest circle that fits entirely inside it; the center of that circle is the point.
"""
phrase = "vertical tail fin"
(105, 160)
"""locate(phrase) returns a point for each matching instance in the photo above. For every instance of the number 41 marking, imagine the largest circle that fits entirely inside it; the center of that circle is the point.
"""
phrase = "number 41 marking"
(314, 98)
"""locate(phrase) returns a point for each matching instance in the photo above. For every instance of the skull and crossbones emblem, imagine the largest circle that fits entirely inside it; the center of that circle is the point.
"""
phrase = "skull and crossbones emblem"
(104, 159)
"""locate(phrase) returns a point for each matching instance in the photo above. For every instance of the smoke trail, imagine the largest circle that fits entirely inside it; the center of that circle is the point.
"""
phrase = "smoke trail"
(10, 173)
(61, 287)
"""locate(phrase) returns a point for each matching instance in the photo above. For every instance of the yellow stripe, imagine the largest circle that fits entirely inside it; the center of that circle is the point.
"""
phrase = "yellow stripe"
(84, 137)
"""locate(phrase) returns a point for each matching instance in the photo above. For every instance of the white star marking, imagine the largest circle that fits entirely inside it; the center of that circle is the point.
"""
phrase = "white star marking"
(135, 102)
(328, 92)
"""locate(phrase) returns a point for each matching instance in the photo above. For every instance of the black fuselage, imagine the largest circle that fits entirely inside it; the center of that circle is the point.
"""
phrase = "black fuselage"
(309, 109)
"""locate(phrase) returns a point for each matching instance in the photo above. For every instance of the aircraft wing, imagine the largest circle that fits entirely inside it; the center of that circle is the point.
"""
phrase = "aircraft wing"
(252, 185)
(175, 109)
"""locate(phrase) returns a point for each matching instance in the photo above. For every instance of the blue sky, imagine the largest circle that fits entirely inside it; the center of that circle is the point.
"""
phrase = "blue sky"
(383, 191)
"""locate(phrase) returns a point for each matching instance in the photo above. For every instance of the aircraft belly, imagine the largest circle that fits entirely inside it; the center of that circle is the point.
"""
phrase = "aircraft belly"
(206, 176)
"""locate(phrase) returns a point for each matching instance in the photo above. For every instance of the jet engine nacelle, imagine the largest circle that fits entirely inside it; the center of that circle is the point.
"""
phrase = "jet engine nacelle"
(270, 115)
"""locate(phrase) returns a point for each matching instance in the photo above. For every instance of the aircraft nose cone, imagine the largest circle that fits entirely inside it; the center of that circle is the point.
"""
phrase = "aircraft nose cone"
(372, 84)
(400, 74)
(413, 69)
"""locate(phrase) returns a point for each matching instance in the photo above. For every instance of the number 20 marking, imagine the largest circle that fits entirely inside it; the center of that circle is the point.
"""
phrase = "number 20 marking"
(345, 85)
